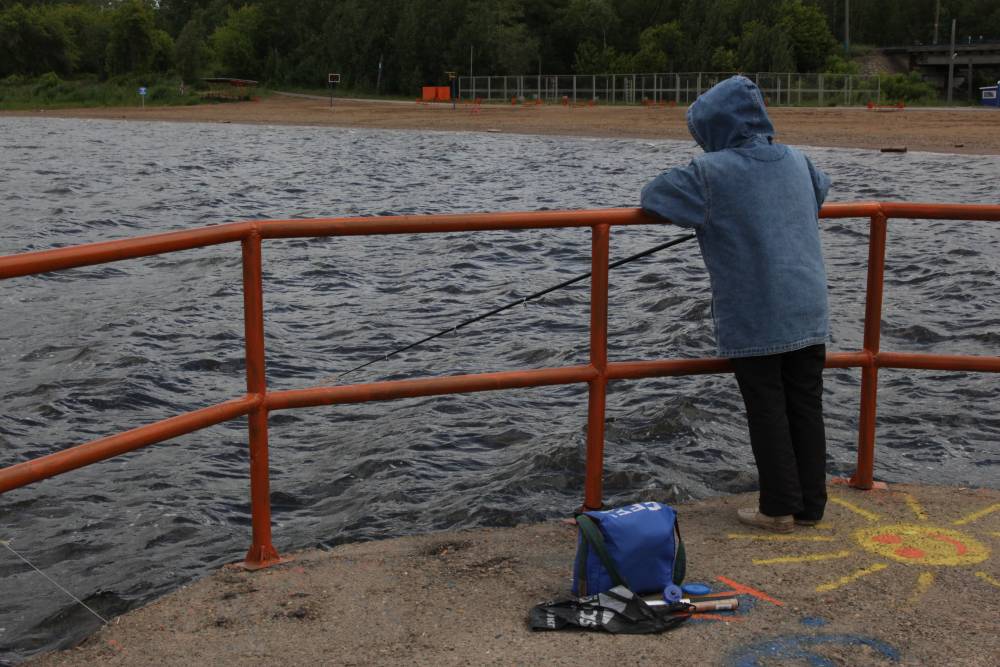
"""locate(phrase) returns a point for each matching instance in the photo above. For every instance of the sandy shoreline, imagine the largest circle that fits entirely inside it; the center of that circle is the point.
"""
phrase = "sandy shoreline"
(962, 130)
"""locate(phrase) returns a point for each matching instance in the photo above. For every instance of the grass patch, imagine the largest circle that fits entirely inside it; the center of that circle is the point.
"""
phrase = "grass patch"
(50, 92)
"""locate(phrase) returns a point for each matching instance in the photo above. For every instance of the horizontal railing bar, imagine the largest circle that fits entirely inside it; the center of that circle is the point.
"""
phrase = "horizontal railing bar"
(43, 261)
(453, 384)
(470, 222)
(623, 370)
(864, 209)
(848, 360)
(634, 370)
(87, 254)
(938, 362)
(923, 211)
(917, 210)
(24, 473)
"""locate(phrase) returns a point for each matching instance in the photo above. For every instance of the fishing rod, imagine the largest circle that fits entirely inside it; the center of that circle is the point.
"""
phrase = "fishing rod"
(523, 300)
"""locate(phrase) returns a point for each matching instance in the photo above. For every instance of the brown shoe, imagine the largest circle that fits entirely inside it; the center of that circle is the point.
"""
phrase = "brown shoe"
(806, 522)
(777, 524)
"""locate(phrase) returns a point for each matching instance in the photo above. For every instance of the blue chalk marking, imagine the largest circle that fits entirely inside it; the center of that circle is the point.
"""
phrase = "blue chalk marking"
(800, 648)
(813, 622)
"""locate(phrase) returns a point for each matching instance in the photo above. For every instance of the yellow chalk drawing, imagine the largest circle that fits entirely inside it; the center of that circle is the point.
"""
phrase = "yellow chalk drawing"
(977, 515)
(915, 506)
(924, 582)
(988, 579)
(915, 544)
(857, 574)
(780, 538)
(801, 559)
(920, 543)
(871, 516)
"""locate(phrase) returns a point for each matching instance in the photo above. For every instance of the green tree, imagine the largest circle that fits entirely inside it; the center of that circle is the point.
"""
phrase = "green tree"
(235, 43)
(132, 40)
(34, 41)
(807, 33)
(590, 20)
(432, 37)
(191, 50)
(709, 24)
(723, 60)
(659, 45)
(353, 34)
(592, 59)
(89, 31)
(556, 45)
(764, 48)
(516, 49)
(174, 15)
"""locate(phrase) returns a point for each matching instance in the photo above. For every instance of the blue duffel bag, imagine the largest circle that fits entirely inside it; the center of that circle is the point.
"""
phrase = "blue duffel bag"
(638, 546)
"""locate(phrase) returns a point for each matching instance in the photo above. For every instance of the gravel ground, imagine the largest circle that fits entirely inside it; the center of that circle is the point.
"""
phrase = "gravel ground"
(904, 576)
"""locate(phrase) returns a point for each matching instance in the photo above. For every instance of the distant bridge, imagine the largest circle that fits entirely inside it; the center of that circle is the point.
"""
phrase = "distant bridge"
(939, 55)
(933, 61)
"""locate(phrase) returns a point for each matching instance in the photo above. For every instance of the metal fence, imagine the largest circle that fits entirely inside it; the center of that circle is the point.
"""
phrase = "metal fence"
(259, 401)
(780, 89)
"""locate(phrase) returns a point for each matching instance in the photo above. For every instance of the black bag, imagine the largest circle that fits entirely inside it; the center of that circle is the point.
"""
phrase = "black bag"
(619, 611)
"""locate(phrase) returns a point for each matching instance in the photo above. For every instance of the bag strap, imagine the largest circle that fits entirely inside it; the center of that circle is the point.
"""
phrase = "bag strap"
(680, 558)
(592, 536)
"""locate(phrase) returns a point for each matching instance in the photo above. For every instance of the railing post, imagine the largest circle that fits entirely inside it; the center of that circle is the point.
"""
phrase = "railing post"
(593, 485)
(865, 470)
(262, 553)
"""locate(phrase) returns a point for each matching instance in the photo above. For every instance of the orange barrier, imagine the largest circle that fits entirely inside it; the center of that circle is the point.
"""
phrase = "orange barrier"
(259, 402)
(898, 106)
(435, 94)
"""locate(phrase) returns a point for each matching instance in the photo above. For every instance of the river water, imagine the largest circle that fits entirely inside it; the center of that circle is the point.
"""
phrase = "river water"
(90, 352)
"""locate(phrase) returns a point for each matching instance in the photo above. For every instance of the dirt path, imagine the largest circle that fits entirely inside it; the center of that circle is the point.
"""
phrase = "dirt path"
(962, 130)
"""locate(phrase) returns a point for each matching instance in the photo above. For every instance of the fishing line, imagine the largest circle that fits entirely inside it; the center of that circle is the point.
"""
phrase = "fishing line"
(54, 582)
(521, 301)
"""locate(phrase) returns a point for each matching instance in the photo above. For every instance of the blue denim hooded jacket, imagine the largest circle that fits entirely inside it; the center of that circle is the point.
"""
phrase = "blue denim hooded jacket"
(753, 204)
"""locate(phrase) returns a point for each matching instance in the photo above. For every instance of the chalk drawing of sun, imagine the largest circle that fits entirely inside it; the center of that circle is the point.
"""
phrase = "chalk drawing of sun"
(919, 544)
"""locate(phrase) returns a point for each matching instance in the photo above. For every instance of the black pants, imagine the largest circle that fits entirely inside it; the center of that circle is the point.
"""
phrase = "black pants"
(783, 394)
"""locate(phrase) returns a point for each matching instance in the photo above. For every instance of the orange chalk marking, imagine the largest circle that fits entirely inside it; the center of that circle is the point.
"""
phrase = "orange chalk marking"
(740, 588)
(720, 617)
(960, 548)
(911, 552)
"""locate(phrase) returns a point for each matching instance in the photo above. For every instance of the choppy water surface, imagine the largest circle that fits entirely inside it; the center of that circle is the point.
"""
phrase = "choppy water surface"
(95, 351)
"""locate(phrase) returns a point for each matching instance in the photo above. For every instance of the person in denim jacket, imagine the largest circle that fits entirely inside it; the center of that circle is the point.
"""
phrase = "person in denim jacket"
(754, 205)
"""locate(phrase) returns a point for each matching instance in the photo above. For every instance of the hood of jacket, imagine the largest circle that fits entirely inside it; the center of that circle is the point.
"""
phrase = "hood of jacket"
(728, 115)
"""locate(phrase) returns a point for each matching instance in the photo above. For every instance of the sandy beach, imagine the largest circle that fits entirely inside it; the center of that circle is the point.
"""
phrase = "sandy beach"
(968, 130)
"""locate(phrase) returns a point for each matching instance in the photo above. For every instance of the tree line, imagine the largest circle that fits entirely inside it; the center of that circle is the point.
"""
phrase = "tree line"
(395, 46)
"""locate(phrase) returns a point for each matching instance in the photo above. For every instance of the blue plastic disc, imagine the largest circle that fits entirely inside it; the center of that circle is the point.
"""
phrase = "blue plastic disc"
(696, 589)
(672, 593)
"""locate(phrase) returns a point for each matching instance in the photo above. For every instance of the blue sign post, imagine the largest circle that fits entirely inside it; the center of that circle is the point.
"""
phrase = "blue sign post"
(989, 96)
(142, 95)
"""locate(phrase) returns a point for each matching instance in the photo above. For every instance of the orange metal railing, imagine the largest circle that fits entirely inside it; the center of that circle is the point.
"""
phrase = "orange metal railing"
(259, 402)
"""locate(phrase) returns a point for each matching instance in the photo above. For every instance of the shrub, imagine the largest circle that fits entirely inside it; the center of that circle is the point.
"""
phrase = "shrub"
(48, 81)
(906, 88)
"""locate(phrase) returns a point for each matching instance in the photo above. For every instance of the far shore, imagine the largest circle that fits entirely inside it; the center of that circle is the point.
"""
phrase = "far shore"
(968, 130)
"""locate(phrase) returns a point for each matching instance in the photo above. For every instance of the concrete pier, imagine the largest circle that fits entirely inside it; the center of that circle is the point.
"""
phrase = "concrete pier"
(904, 576)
